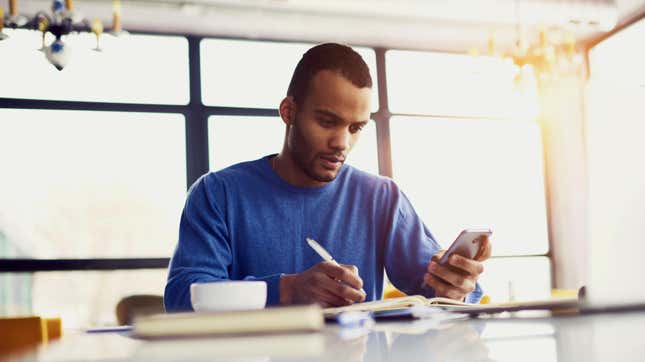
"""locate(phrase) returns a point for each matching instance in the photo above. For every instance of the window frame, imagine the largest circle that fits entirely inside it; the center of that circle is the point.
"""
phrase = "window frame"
(196, 116)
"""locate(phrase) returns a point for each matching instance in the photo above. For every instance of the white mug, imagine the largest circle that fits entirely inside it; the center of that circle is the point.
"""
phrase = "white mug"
(228, 295)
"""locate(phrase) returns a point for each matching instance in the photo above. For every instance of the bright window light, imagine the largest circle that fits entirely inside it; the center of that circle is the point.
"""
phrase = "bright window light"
(89, 297)
(514, 279)
(474, 173)
(242, 73)
(620, 58)
(459, 85)
(364, 155)
(234, 139)
(80, 184)
(130, 69)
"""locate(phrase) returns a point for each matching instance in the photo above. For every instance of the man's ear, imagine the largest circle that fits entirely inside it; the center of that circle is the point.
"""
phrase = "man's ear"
(288, 110)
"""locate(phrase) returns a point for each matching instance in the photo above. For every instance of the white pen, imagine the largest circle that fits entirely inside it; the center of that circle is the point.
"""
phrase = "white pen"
(321, 251)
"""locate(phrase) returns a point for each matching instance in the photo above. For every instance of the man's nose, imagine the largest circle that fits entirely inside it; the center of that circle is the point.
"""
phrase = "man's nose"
(341, 140)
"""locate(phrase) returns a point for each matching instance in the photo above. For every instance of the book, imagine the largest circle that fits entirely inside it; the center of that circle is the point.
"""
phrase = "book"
(393, 304)
(269, 320)
(451, 305)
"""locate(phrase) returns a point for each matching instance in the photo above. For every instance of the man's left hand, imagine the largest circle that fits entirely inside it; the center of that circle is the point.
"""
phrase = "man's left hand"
(458, 277)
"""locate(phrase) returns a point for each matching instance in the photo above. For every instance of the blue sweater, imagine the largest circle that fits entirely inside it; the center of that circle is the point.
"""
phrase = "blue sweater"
(246, 223)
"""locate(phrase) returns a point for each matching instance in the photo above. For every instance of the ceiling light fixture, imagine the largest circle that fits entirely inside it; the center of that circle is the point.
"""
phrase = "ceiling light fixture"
(62, 20)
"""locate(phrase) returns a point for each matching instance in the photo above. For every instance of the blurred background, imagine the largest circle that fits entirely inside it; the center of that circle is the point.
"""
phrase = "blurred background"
(515, 115)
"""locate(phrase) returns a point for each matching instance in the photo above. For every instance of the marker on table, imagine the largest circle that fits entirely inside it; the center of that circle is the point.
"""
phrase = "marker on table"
(111, 329)
(355, 319)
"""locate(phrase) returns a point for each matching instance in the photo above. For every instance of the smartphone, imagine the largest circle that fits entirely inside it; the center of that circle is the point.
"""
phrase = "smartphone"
(467, 244)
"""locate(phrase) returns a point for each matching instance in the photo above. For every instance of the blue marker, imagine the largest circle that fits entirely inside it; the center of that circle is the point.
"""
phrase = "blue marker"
(354, 319)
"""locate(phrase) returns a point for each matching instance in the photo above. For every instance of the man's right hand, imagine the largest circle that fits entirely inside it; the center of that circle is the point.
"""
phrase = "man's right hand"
(326, 283)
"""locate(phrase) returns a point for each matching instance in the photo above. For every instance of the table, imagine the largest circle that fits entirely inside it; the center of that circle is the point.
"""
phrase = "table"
(596, 337)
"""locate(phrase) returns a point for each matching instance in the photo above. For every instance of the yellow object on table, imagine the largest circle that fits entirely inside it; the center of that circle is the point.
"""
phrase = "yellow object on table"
(54, 328)
(390, 291)
(18, 333)
(564, 293)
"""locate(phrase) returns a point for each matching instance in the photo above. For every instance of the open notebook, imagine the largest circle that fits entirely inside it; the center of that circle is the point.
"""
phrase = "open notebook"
(452, 305)
(394, 303)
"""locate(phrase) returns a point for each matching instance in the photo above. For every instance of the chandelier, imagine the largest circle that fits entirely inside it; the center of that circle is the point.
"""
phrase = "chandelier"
(61, 20)
(553, 49)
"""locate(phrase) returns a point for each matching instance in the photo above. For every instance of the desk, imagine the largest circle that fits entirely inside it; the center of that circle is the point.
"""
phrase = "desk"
(600, 337)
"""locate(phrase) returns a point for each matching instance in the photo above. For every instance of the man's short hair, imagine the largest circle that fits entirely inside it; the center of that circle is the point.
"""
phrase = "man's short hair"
(329, 56)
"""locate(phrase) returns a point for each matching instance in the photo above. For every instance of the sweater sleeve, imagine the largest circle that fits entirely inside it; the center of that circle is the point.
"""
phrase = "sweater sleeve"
(409, 248)
(203, 253)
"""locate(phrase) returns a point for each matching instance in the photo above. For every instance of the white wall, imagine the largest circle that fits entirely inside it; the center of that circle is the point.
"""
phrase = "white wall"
(616, 159)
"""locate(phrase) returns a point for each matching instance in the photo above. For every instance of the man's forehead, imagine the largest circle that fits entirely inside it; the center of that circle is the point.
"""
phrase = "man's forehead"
(330, 89)
(332, 114)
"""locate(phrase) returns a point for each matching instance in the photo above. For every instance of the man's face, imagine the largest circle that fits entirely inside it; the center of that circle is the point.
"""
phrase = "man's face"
(327, 124)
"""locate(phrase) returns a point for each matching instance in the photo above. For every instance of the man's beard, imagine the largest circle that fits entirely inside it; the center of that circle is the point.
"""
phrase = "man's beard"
(301, 152)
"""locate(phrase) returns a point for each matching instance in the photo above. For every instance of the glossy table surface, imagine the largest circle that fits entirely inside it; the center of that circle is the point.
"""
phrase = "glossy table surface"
(525, 337)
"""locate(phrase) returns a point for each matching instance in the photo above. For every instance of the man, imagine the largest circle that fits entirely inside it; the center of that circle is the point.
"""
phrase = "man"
(249, 221)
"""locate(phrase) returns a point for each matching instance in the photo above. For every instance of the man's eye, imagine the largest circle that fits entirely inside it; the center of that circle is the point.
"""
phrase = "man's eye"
(327, 123)
(355, 129)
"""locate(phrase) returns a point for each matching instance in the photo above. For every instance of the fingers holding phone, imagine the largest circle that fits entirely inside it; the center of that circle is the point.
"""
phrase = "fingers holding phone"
(449, 282)
(485, 249)
(453, 273)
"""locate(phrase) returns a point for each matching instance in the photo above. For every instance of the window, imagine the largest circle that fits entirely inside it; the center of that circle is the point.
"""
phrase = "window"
(130, 69)
(521, 278)
(467, 151)
(472, 173)
(459, 85)
(81, 298)
(95, 184)
(234, 76)
(364, 154)
(79, 184)
(234, 139)
(15, 294)
(237, 139)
